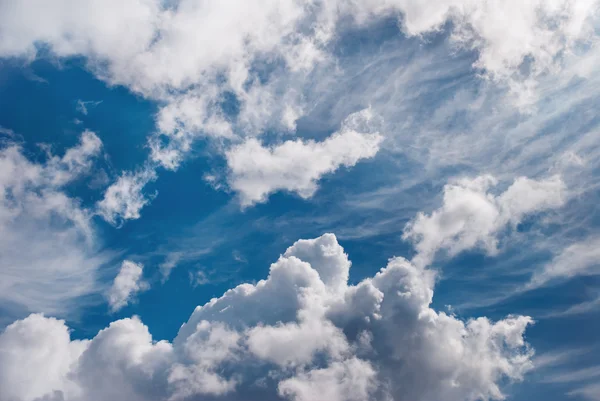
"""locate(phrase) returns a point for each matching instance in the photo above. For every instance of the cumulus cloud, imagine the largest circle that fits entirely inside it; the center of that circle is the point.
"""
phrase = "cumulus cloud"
(303, 333)
(126, 285)
(256, 171)
(124, 199)
(471, 216)
(48, 251)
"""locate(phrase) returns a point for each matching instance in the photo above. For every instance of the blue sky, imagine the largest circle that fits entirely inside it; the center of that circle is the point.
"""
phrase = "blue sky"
(290, 200)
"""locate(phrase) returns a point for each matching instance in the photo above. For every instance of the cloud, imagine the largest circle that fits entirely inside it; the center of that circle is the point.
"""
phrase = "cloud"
(45, 346)
(48, 249)
(7, 132)
(275, 58)
(568, 368)
(542, 31)
(582, 308)
(578, 375)
(83, 106)
(124, 199)
(166, 47)
(580, 258)
(472, 217)
(256, 171)
(302, 334)
(126, 285)
(589, 392)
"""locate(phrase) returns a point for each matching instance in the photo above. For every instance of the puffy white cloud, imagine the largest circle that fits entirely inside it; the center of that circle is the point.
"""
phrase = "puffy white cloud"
(36, 356)
(349, 380)
(471, 216)
(295, 165)
(124, 199)
(48, 251)
(298, 334)
(126, 285)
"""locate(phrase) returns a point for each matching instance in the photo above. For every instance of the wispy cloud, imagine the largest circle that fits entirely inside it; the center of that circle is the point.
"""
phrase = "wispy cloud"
(49, 251)
(84, 106)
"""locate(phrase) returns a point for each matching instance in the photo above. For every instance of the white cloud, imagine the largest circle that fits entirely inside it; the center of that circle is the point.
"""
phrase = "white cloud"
(126, 285)
(169, 53)
(588, 392)
(256, 171)
(582, 308)
(578, 259)
(48, 251)
(541, 32)
(83, 106)
(301, 334)
(33, 348)
(150, 44)
(577, 375)
(471, 216)
(349, 380)
(124, 199)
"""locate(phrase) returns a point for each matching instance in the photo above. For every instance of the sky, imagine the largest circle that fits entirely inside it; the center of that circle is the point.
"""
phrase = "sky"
(299, 200)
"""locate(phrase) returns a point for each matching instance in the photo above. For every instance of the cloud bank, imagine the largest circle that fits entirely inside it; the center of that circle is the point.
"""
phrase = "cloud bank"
(302, 334)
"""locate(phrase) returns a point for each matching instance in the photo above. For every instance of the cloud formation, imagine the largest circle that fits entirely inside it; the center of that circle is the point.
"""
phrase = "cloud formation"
(256, 171)
(303, 334)
(126, 285)
(578, 259)
(471, 216)
(48, 250)
(272, 58)
(124, 199)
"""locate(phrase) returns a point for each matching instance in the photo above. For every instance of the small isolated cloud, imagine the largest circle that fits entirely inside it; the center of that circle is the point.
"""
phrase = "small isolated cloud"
(84, 106)
(124, 199)
(126, 285)
(171, 261)
(471, 216)
(256, 171)
(301, 334)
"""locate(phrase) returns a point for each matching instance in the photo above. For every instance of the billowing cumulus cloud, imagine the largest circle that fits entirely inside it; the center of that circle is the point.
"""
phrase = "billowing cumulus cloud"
(302, 334)
(472, 216)
(48, 250)
(296, 166)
